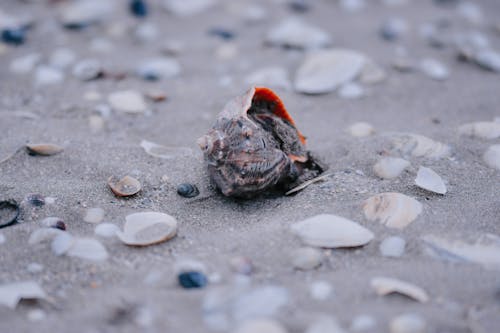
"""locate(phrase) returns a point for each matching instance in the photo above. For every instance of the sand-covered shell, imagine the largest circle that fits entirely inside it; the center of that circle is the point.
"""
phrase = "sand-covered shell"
(254, 146)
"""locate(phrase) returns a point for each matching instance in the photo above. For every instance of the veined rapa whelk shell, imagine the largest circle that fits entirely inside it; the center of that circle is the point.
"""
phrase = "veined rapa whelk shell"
(331, 231)
(384, 286)
(395, 210)
(429, 180)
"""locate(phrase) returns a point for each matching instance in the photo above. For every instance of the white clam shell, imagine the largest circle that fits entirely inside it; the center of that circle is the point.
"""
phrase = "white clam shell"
(482, 129)
(415, 145)
(395, 210)
(12, 293)
(331, 231)
(384, 286)
(106, 230)
(390, 167)
(148, 228)
(430, 180)
(88, 248)
(360, 130)
(128, 101)
(492, 157)
(295, 33)
(324, 71)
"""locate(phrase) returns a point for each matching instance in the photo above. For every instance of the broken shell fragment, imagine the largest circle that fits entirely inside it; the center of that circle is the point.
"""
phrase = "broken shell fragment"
(384, 286)
(127, 101)
(254, 146)
(9, 212)
(395, 210)
(124, 187)
(360, 130)
(492, 157)
(331, 231)
(12, 293)
(294, 33)
(43, 149)
(482, 129)
(415, 145)
(164, 152)
(390, 167)
(148, 228)
(430, 181)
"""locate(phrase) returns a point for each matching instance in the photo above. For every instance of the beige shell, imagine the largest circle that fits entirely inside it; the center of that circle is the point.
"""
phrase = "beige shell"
(384, 286)
(124, 187)
(395, 210)
(44, 149)
(147, 228)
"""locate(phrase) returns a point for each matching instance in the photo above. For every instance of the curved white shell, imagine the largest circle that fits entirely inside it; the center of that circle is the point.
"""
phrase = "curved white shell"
(395, 210)
(148, 228)
(384, 286)
(331, 231)
(324, 71)
(419, 146)
(430, 180)
(492, 157)
(390, 167)
(482, 129)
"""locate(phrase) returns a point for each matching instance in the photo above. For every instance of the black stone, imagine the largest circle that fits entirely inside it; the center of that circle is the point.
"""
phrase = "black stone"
(222, 33)
(187, 190)
(192, 279)
(14, 36)
(139, 8)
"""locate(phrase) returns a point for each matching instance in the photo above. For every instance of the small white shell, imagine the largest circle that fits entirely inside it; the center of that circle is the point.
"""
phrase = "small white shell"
(148, 228)
(160, 151)
(395, 210)
(128, 101)
(482, 129)
(360, 129)
(88, 248)
(492, 157)
(293, 32)
(306, 258)
(419, 146)
(12, 293)
(106, 230)
(430, 180)
(43, 234)
(331, 231)
(390, 167)
(384, 286)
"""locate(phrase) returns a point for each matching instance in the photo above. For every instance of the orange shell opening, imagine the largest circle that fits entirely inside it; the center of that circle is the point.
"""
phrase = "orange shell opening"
(266, 94)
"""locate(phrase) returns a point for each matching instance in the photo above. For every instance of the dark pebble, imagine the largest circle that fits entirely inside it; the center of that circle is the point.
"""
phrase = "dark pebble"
(36, 200)
(9, 212)
(139, 8)
(299, 6)
(190, 280)
(59, 225)
(14, 36)
(187, 190)
(222, 33)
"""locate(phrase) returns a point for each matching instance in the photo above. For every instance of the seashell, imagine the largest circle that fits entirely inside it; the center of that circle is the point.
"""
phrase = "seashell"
(88, 69)
(53, 222)
(482, 251)
(43, 149)
(187, 190)
(35, 199)
(94, 215)
(320, 290)
(483, 130)
(254, 146)
(9, 212)
(160, 151)
(82, 13)
(372, 73)
(331, 231)
(124, 187)
(351, 90)
(25, 64)
(408, 323)
(12, 293)
(159, 68)
(390, 167)
(393, 29)
(392, 246)
(294, 33)
(128, 101)
(46, 75)
(430, 180)
(106, 230)
(2, 238)
(62, 243)
(148, 228)
(87, 248)
(434, 69)
(363, 323)
(184, 8)
(360, 130)
(275, 77)
(419, 146)
(384, 286)
(43, 234)
(324, 71)
(260, 325)
(395, 210)
(492, 157)
(62, 58)
(488, 59)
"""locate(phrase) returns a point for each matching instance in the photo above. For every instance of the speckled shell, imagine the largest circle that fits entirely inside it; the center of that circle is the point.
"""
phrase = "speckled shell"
(254, 145)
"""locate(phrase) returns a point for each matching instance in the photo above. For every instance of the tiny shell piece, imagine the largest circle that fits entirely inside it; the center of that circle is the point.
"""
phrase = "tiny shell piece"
(395, 210)
(384, 286)
(124, 187)
(148, 228)
(390, 167)
(492, 157)
(12, 293)
(483, 129)
(43, 149)
(430, 181)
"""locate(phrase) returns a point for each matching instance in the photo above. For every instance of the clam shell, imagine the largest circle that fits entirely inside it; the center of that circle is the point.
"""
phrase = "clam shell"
(492, 157)
(44, 149)
(395, 210)
(12, 293)
(324, 71)
(408, 144)
(430, 181)
(88, 248)
(482, 129)
(390, 167)
(331, 231)
(124, 187)
(384, 286)
(148, 228)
